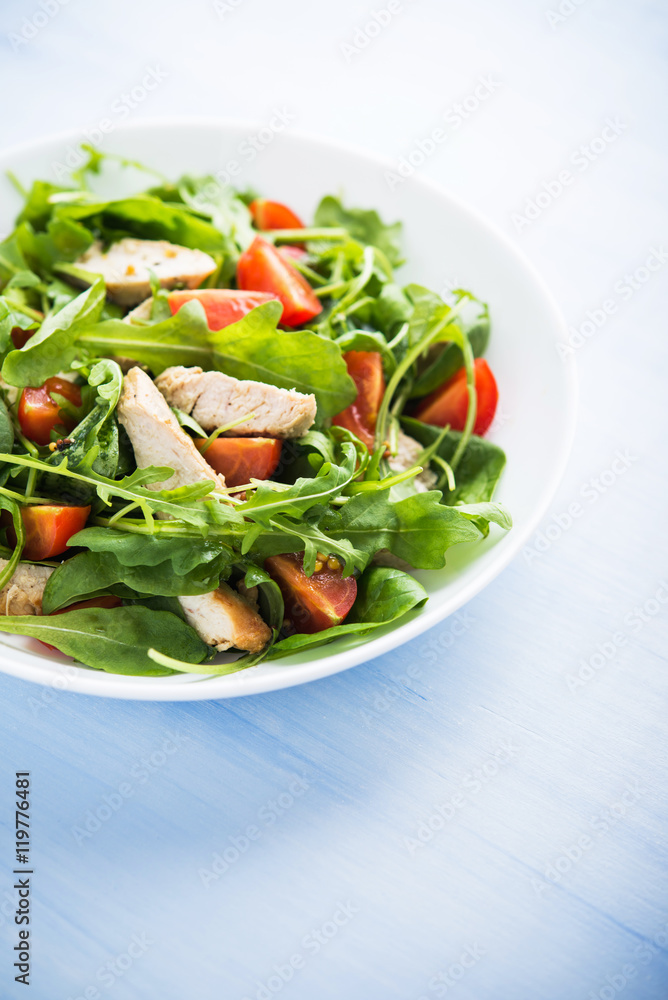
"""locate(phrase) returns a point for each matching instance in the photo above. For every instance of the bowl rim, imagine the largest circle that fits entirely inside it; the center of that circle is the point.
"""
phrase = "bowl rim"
(86, 681)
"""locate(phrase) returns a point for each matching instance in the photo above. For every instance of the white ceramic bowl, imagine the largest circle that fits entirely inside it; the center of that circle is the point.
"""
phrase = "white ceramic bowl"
(446, 245)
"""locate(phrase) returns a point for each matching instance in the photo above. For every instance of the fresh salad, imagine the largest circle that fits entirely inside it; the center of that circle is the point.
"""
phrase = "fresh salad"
(222, 428)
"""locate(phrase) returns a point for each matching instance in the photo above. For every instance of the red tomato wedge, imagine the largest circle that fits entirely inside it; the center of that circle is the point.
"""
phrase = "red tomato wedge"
(449, 403)
(39, 414)
(366, 370)
(222, 306)
(273, 215)
(312, 603)
(94, 602)
(48, 529)
(261, 268)
(241, 459)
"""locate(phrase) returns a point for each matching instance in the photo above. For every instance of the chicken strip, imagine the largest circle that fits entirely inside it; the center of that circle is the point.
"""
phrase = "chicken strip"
(222, 618)
(408, 453)
(22, 595)
(125, 267)
(214, 399)
(157, 438)
(226, 613)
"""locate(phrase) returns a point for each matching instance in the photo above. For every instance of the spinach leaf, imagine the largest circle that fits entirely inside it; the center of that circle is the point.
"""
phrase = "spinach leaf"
(366, 226)
(149, 564)
(480, 466)
(116, 640)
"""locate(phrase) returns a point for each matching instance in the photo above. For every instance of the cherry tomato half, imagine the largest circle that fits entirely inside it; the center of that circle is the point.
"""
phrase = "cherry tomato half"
(449, 403)
(39, 413)
(241, 459)
(273, 215)
(48, 529)
(262, 268)
(312, 603)
(366, 370)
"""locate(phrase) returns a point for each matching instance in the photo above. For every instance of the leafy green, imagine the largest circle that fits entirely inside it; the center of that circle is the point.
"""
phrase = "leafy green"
(450, 359)
(480, 466)
(149, 564)
(147, 217)
(252, 348)
(183, 339)
(6, 428)
(13, 508)
(418, 529)
(116, 640)
(366, 226)
(54, 346)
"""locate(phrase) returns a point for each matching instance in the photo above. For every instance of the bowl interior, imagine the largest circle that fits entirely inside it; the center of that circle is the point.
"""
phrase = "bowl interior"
(446, 246)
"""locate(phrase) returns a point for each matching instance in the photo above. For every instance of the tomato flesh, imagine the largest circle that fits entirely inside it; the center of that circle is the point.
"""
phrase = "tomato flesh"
(366, 370)
(241, 459)
(222, 306)
(449, 403)
(48, 529)
(273, 215)
(262, 268)
(39, 414)
(312, 603)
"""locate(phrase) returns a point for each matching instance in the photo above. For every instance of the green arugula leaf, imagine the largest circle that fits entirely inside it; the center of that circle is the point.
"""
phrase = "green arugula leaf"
(54, 346)
(366, 226)
(418, 529)
(450, 359)
(183, 339)
(148, 218)
(13, 508)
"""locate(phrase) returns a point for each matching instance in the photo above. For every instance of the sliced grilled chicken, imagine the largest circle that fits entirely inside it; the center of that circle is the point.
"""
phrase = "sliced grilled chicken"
(408, 453)
(157, 438)
(214, 399)
(225, 619)
(125, 267)
(23, 594)
(222, 618)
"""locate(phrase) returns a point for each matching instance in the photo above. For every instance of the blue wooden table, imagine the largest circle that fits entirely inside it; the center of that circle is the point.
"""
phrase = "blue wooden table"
(482, 813)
